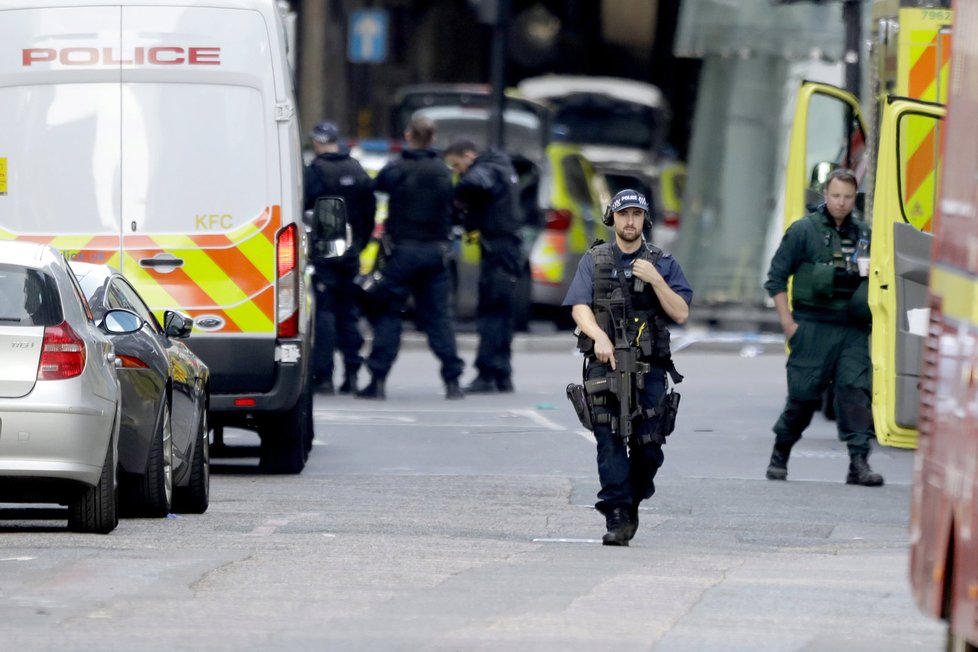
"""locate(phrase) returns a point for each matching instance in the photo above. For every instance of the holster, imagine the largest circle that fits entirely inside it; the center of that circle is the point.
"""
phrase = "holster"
(578, 399)
(667, 411)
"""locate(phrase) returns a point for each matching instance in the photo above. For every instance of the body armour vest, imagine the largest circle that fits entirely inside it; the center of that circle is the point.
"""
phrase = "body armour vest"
(645, 320)
(831, 281)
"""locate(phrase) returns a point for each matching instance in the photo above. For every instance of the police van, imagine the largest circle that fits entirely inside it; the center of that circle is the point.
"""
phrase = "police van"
(161, 137)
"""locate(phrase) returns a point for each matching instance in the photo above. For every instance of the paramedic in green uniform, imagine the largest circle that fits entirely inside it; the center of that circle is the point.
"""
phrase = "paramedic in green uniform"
(827, 327)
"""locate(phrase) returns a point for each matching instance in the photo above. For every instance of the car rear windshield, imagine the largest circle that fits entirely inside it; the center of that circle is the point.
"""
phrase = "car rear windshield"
(28, 298)
(598, 120)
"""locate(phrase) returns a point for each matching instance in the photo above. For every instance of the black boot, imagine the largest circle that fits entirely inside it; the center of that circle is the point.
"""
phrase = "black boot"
(619, 527)
(860, 473)
(504, 385)
(481, 385)
(452, 391)
(349, 385)
(777, 468)
(632, 521)
(375, 390)
(323, 386)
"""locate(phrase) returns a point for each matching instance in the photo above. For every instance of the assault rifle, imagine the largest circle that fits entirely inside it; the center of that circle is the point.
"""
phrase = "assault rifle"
(628, 376)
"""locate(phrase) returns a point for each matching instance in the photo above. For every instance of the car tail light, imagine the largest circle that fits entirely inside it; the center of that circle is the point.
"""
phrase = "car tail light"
(671, 219)
(558, 219)
(286, 263)
(62, 353)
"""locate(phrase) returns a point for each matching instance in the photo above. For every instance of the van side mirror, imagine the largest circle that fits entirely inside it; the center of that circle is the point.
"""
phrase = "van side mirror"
(177, 325)
(331, 234)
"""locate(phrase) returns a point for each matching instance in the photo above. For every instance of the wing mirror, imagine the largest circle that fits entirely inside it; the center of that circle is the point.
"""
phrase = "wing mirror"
(177, 325)
(120, 321)
(331, 233)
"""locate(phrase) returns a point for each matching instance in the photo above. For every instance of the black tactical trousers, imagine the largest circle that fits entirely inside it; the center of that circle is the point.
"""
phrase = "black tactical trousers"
(822, 353)
(337, 317)
(499, 271)
(418, 269)
(626, 470)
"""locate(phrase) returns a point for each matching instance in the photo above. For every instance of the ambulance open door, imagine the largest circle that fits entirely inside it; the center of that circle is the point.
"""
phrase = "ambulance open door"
(827, 133)
(903, 207)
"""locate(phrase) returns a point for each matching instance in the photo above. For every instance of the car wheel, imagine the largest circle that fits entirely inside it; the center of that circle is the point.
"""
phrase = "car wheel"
(195, 497)
(284, 436)
(155, 487)
(96, 509)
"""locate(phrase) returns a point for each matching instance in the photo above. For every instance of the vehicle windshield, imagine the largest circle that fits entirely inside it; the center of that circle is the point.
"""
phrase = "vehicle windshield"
(28, 298)
(590, 119)
(523, 134)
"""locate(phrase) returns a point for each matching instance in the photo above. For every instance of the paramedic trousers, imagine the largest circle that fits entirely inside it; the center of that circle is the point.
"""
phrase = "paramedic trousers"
(499, 272)
(823, 353)
(337, 317)
(626, 470)
(418, 269)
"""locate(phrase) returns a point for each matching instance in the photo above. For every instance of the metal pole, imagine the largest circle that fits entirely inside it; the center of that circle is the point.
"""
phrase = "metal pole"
(497, 76)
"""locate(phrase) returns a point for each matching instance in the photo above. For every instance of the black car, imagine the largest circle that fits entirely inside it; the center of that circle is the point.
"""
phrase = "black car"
(164, 456)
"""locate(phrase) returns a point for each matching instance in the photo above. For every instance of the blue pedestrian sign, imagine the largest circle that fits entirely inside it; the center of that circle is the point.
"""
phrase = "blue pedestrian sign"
(368, 36)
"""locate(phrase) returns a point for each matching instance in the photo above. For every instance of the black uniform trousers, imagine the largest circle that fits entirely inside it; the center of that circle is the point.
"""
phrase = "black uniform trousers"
(626, 470)
(824, 352)
(337, 317)
(418, 269)
(499, 272)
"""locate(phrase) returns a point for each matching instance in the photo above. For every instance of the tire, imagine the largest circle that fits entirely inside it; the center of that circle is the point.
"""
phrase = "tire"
(284, 438)
(154, 489)
(96, 509)
(195, 497)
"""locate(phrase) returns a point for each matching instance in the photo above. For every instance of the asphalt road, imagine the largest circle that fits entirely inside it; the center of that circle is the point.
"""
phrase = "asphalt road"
(421, 523)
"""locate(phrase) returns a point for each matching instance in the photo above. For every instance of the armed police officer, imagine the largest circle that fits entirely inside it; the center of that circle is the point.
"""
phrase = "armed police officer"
(827, 327)
(488, 197)
(624, 296)
(419, 189)
(334, 173)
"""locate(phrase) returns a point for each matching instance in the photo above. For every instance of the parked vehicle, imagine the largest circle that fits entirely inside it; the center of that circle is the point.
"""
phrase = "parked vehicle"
(621, 126)
(172, 127)
(59, 395)
(164, 450)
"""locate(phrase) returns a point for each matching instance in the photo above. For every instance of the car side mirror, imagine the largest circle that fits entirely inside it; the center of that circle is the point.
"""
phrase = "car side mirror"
(120, 321)
(331, 234)
(177, 325)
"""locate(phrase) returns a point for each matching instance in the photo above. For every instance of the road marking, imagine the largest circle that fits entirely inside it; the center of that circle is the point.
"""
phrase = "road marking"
(18, 558)
(566, 540)
(273, 524)
(539, 419)
(587, 434)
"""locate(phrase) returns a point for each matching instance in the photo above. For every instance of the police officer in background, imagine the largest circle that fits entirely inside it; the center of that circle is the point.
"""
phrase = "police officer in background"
(419, 189)
(334, 173)
(658, 295)
(488, 196)
(827, 327)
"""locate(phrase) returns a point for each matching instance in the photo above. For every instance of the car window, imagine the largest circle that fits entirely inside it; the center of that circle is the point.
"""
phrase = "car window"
(599, 120)
(122, 295)
(28, 298)
(576, 178)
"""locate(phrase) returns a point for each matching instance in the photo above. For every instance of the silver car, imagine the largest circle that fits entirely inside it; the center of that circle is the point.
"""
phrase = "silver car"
(59, 394)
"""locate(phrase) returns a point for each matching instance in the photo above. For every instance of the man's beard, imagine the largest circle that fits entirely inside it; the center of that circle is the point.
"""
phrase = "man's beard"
(635, 235)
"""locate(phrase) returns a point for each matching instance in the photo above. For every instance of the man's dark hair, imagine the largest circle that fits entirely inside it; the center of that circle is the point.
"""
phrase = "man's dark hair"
(461, 147)
(842, 174)
(421, 131)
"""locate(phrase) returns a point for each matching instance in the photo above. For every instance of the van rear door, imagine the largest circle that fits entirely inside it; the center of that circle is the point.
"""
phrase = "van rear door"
(60, 139)
(200, 164)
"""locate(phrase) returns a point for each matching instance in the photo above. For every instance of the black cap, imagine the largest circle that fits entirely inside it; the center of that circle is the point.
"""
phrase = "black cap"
(628, 198)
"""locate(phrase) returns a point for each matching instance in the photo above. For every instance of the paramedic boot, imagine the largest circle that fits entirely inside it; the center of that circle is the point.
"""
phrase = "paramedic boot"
(481, 385)
(777, 468)
(375, 390)
(860, 473)
(618, 527)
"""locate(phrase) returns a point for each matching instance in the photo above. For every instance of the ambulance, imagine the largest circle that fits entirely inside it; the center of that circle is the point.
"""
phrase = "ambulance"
(898, 159)
(161, 137)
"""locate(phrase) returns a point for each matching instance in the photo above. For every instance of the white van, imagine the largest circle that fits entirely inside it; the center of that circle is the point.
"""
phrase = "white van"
(161, 137)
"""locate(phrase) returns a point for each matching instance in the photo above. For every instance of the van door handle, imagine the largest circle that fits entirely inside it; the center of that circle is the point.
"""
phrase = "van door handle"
(162, 262)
